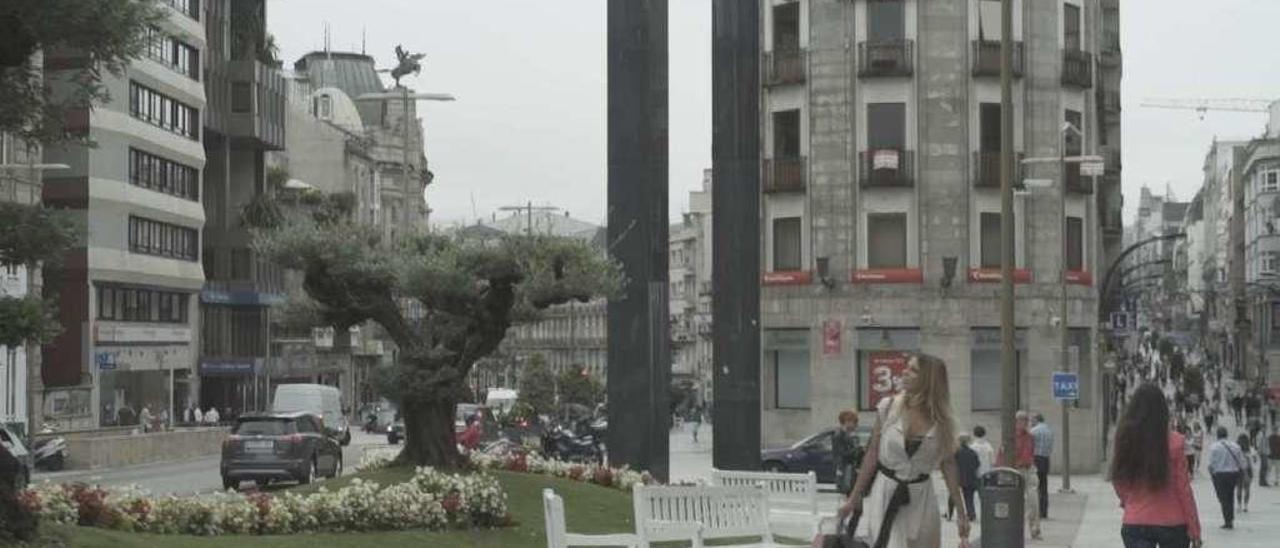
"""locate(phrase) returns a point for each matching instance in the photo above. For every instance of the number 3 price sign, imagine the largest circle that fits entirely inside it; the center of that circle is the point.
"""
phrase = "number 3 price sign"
(884, 374)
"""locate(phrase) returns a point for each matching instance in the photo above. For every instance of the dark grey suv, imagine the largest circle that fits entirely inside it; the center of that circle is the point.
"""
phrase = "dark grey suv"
(279, 447)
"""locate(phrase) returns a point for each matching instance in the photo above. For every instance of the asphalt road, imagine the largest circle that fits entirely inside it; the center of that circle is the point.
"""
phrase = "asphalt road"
(188, 477)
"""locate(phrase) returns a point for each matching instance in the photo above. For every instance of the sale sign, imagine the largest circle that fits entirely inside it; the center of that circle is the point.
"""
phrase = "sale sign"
(884, 374)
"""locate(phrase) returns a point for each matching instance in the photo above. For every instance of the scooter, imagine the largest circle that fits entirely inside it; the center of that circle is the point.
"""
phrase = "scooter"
(560, 443)
(50, 453)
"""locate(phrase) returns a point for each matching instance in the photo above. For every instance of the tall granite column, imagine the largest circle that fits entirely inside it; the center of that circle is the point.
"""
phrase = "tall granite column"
(639, 338)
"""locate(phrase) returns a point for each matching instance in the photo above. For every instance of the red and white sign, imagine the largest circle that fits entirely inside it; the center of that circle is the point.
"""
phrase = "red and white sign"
(888, 276)
(795, 277)
(1079, 277)
(884, 374)
(831, 330)
(992, 275)
(884, 159)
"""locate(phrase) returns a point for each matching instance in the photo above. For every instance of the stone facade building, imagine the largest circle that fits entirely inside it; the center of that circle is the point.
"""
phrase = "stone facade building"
(880, 214)
(19, 366)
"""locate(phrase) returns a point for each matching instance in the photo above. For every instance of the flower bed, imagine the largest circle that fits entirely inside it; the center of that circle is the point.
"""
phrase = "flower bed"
(617, 478)
(429, 500)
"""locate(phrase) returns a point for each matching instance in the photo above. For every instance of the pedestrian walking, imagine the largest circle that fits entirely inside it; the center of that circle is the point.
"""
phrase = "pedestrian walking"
(914, 435)
(1237, 408)
(986, 453)
(1244, 487)
(1023, 460)
(1153, 486)
(199, 416)
(1273, 460)
(967, 465)
(1196, 442)
(1258, 439)
(144, 418)
(1225, 467)
(695, 418)
(846, 451)
(211, 416)
(1042, 435)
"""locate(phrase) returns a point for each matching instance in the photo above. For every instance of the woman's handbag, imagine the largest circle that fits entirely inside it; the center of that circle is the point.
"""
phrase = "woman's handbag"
(844, 538)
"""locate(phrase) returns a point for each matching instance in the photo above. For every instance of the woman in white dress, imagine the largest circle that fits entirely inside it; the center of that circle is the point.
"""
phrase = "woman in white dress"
(914, 435)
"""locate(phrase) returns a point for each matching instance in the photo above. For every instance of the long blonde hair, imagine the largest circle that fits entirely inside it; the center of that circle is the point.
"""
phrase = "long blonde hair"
(931, 393)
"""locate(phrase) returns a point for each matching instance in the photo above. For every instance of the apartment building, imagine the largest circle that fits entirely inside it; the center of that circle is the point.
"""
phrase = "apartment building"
(690, 294)
(128, 296)
(881, 208)
(19, 365)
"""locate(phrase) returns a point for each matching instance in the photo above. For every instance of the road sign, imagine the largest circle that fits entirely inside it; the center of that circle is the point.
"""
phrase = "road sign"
(1066, 386)
(1119, 321)
(1092, 168)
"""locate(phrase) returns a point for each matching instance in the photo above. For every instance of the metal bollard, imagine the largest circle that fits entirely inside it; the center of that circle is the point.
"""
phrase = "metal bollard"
(1002, 497)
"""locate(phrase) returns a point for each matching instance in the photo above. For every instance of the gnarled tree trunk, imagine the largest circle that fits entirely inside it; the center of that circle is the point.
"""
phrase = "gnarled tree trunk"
(428, 428)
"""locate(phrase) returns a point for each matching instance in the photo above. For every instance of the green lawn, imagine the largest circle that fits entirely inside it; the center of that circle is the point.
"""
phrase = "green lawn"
(590, 509)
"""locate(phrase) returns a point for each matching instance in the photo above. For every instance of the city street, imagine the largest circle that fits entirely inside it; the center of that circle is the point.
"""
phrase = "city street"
(192, 476)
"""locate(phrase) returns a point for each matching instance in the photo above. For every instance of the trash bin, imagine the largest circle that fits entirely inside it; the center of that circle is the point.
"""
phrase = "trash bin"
(1002, 497)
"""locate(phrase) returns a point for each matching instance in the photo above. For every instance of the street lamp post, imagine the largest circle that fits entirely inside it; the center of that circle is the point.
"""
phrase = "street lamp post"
(1064, 325)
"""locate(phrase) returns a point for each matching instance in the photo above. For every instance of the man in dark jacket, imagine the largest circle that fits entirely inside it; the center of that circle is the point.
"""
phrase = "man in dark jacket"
(847, 451)
(967, 466)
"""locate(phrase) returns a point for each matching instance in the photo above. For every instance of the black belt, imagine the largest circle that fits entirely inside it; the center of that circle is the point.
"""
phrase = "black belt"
(901, 497)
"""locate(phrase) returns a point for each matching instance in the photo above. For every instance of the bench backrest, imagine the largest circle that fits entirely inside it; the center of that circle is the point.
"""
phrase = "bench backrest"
(553, 515)
(723, 512)
(798, 491)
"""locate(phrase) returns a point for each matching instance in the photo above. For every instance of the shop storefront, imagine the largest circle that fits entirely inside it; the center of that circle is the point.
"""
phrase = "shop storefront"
(233, 385)
(140, 366)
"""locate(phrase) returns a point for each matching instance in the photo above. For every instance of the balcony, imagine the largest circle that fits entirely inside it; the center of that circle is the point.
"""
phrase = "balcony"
(1110, 102)
(891, 58)
(254, 110)
(886, 167)
(986, 59)
(1111, 55)
(1077, 183)
(1077, 69)
(785, 66)
(1111, 157)
(784, 174)
(986, 169)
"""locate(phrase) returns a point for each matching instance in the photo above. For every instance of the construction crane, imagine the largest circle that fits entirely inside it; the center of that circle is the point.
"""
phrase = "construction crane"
(1201, 106)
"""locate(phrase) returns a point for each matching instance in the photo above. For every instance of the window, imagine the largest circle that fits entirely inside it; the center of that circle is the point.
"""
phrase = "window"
(786, 134)
(1269, 262)
(989, 232)
(886, 126)
(151, 237)
(984, 365)
(887, 240)
(989, 127)
(153, 172)
(787, 354)
(1074, 146)
(162, 111)
(190, 8)
(886, 20)
(241, 97)
(786, 27)
(1075, 244)
(173, 53)
(1269, 181)
(1080, 360)
(129, 304)
(786, 244)
(1071, 27)
(989, 21)
(324, 107)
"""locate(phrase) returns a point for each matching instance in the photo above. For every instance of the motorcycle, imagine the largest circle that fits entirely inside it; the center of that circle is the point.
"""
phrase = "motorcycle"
(50, 453)
(562, 444)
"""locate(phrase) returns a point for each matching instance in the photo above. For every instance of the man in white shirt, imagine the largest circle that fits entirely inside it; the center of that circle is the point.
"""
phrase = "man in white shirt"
(986, 453)
(1226, 461)
(211, 417)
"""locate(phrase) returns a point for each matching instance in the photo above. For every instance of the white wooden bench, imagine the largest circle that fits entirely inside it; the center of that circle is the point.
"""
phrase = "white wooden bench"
(699, 513)
(793, 500)
(553, 514)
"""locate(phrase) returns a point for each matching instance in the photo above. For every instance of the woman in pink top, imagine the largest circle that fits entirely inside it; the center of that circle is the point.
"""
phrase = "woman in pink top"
(1153, 486)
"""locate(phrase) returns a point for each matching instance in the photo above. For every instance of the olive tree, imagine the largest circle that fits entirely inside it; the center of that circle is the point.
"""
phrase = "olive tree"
(445, 302)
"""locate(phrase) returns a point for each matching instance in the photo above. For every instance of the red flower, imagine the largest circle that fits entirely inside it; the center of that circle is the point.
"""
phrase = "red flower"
(30, 500)
(603, 477)
(575, 473)
(452, 502)
(517, 463)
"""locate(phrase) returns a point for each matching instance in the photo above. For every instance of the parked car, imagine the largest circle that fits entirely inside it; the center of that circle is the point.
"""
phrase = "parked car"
(279, 447)
(395, 432)
(811, 454)
(320, 399)
(13, 443)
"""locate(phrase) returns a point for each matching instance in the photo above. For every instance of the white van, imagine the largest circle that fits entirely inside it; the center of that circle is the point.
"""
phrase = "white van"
(501, 399)
(320, 399)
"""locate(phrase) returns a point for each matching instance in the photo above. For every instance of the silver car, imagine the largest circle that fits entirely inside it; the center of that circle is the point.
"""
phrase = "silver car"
(13, 443)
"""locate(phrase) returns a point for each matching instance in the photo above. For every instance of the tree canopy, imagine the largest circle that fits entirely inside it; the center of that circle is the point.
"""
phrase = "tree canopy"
(106, 33)
(445, 302)
(30, 235)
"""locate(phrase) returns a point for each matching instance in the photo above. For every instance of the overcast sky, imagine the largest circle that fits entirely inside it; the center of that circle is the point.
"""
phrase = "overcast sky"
(530, 78)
